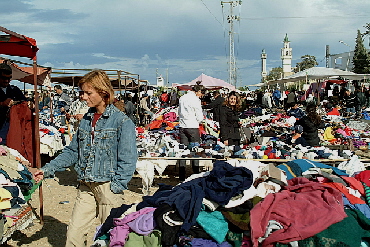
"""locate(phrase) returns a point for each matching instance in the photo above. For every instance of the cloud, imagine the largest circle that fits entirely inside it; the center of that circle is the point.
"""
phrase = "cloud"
(185, 37)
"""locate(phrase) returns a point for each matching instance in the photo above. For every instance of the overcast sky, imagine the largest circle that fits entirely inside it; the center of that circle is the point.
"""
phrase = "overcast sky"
(184, 37)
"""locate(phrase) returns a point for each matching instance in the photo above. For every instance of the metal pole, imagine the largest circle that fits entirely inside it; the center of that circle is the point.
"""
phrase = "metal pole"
(36, 134)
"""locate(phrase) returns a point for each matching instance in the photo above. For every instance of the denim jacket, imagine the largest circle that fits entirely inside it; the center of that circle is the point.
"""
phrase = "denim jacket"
(107, 153)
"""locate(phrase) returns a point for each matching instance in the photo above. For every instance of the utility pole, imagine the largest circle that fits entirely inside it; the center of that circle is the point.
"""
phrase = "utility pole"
(232, 61)
(327, 56)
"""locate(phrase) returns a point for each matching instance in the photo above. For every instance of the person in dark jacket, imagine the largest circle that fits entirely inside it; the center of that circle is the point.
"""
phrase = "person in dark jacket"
(229, 120)
(291, 98)
(9, 96)
(215, 105)
(349, 100)
(311, 123)
(360, 99)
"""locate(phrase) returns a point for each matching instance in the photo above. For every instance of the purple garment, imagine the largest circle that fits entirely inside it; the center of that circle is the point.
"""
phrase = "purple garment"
(199, 242)
(121, 230)
(144, 224)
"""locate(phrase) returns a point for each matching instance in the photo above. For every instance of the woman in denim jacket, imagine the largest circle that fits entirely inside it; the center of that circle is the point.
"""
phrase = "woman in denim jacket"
(103, 153)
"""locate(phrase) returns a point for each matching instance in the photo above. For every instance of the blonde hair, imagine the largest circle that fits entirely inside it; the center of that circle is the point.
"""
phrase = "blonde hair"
(99, 80)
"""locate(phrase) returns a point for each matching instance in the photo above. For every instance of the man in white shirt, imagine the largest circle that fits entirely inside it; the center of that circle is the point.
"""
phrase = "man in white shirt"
(190, 116)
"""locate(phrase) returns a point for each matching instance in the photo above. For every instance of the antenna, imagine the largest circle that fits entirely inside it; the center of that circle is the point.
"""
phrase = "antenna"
(232, 61)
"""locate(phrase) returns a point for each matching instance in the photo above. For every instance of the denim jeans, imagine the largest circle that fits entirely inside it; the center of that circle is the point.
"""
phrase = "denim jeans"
(4, 132)
(351, 109)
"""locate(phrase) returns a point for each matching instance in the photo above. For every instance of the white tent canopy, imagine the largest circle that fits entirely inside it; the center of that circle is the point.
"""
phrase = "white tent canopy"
(320, 73)
(261, 84)
(208, 82)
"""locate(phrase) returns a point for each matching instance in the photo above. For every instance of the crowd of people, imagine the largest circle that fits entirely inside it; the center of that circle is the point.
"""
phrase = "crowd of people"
(104, 151)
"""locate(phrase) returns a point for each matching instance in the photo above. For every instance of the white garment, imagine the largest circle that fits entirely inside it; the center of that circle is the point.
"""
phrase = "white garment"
(190, 111)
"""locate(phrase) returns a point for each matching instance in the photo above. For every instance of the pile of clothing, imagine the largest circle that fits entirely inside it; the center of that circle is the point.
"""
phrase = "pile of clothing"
(249, 203)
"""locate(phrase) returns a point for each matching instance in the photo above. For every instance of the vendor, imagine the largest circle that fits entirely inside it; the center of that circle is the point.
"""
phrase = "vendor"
(311, 123)
(61, 99)
(9, 95)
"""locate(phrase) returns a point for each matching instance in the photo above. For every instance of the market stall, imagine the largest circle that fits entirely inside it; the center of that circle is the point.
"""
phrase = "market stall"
(14, 44)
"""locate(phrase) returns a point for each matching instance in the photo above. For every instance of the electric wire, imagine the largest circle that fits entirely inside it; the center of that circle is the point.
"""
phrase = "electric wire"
(212, 14)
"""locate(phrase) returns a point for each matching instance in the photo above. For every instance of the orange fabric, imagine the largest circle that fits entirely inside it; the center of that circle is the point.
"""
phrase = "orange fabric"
(156, 124)
(334, 112)
(202, 130)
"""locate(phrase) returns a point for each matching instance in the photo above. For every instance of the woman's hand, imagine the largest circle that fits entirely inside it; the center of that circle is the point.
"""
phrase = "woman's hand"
(38, 175)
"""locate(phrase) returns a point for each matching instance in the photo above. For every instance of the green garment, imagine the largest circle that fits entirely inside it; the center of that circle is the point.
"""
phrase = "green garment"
(235, 239)
(152, 240)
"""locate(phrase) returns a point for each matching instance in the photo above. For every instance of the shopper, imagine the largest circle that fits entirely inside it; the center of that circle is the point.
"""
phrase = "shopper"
(103, 153)
(190, 116)
(229, 120)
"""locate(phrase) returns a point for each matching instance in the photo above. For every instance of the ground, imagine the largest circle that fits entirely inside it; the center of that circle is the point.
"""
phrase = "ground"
(58, 199)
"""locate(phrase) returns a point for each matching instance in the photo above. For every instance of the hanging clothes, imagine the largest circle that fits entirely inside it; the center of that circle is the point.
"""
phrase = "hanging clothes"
(20, 135)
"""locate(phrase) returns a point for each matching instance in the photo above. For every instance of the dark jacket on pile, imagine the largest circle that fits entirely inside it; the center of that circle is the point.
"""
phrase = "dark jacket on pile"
(310, 130)
(229, 124)
(215, 107)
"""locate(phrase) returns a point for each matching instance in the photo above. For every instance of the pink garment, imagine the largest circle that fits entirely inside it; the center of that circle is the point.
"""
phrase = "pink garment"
(170, 116)
(304, 209)
(2, 150)
(342, 132)
(121, 230)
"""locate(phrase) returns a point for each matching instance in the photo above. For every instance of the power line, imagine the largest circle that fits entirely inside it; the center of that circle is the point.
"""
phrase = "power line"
(294, 33)
(303, 17)
(212, 14)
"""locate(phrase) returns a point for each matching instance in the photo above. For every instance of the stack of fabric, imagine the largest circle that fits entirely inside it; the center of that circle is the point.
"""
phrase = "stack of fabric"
(249, 203)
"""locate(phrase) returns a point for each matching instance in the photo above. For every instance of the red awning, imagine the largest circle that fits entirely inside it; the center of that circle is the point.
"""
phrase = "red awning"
(15, 44)
(337, 81)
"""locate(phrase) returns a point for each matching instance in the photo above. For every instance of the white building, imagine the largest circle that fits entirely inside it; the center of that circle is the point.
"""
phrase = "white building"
(286, 57)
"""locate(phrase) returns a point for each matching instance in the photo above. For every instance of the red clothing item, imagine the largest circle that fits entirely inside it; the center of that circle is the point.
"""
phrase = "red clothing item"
(351, 198)
(333, 112)
(304, 209)
(20, 134)
(364, 177)
(96, 118)
(354, 184)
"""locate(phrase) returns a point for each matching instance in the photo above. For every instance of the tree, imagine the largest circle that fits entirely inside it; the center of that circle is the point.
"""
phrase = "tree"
(307, 62)
(275, 74)
(245, 88)
(361, 58)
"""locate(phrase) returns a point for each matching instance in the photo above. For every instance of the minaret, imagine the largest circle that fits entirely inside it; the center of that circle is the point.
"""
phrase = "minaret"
(263, 71)
(286, 57)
